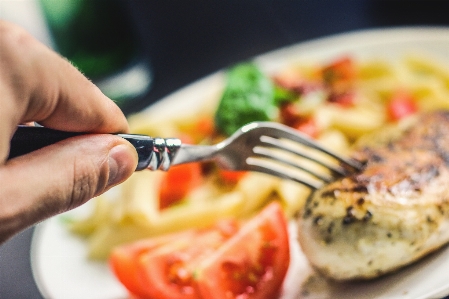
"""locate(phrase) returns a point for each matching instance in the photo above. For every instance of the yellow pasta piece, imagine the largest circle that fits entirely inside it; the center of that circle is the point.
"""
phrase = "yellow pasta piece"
(375, 70)
(85, 226)
(335, 140)
(255, 189)
(422, 65)
(353, 122)
(139, 198)
(178, 218)
(191, 214)
(293, 196)
(110, 235)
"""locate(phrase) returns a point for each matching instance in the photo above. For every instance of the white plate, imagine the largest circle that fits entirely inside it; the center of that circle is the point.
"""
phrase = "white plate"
(59, 259)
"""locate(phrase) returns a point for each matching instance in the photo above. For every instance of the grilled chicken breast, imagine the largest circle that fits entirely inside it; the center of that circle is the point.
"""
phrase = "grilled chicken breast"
(390, 214)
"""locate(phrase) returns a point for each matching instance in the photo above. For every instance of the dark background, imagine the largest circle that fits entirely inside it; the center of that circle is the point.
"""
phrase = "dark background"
(187, 40)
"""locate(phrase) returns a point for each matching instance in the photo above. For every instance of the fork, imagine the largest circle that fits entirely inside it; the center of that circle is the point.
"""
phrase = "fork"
(265, 147)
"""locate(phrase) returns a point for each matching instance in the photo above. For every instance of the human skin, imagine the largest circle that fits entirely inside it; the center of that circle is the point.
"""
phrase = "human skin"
(37, 85)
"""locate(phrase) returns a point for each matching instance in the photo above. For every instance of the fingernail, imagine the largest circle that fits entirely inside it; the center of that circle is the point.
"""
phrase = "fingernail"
(119, 164)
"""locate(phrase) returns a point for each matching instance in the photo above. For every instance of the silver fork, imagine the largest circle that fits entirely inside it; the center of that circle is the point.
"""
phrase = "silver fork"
(262, 147)
(265, 147)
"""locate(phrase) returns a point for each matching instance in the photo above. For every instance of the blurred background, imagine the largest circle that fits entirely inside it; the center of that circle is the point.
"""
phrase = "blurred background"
(138, 51)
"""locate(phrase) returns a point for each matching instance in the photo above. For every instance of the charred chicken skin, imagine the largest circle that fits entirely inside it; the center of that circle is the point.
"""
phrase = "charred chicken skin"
(388, 215)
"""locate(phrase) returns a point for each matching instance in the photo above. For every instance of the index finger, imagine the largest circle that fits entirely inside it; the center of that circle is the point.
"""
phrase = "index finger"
(36, 84)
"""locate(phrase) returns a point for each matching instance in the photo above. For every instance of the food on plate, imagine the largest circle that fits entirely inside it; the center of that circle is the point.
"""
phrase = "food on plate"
(248, 97)
(232, 259)
(391, 213)
(338, 102)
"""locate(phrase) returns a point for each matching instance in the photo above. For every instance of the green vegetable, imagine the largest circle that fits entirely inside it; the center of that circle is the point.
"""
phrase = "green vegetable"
(249, 96)
(282, 95)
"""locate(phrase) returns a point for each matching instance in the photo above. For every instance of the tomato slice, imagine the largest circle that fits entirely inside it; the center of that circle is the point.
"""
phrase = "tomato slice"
(294, 81)
(252, 264)
(205, 127)
(289, 114)
(124, 260)
(342, 69)
(401, 105)
(168, 272)
(230, 260)
(308, 126)
(231, 177)
(178, 182)
(346, 99)
(201, 129)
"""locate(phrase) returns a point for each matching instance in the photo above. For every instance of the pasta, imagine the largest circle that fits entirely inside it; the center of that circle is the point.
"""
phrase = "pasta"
(132, 210)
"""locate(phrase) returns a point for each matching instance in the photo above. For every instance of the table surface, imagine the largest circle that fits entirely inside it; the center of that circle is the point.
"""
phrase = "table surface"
(188, 40)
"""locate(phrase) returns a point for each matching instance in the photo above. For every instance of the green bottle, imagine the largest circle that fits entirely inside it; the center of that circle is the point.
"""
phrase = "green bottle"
(97, 36)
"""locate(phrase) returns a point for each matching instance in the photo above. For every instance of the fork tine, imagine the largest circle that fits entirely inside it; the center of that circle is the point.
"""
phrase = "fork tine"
(254, 164)
(275, 143)
(277, 130)
(261, 152)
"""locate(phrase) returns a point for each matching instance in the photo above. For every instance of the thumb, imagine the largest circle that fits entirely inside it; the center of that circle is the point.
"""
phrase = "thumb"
(61, 177)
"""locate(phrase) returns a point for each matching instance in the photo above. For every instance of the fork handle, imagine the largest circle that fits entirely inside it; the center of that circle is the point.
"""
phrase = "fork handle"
(27, 139)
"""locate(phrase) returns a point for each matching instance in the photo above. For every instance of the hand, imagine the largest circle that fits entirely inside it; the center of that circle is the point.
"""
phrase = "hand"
(38, 85)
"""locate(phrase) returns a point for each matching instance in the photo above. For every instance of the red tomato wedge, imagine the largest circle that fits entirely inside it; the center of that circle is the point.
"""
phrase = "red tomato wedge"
(169, 271)
(309, 127)
(201, 129)
(341, 70)
(124, 260)
(289, 114)
(231, 177)
(205, 127)
(230, 260)
(178, 182)
(252, 264)
(346, 99)
(401, 105)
